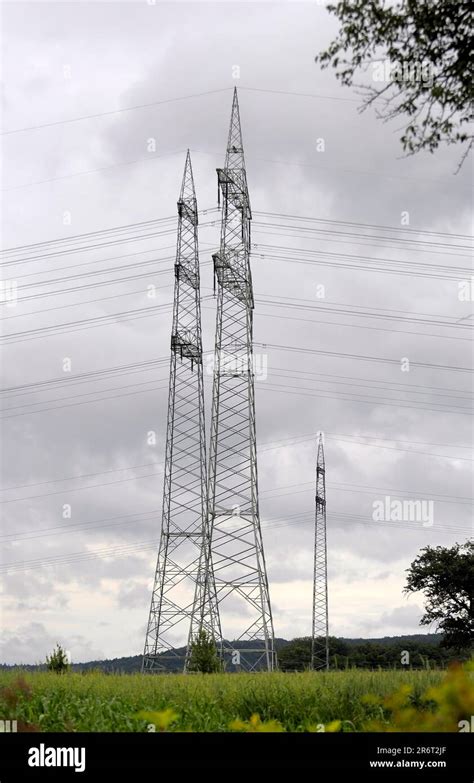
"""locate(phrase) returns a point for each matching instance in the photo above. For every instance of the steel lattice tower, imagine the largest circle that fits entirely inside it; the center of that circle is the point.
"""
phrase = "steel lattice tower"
(181, 600)
(237, 549)
(320, 629)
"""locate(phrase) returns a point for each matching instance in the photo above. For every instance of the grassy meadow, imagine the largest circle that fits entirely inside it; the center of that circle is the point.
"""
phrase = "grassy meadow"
(351, 700)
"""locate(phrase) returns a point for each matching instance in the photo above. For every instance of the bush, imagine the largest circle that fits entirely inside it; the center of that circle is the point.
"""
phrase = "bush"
(58, 661)
(204, 657)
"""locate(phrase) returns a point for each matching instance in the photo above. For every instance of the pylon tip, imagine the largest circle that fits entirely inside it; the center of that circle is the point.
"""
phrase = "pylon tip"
(188, 181)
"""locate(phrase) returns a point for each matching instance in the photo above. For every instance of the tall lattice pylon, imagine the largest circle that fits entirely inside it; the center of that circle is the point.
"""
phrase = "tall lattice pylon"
(237, 549)
(320, 629)
(181, 601)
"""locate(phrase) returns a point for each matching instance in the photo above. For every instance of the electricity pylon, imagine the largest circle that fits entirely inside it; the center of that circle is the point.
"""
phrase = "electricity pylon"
(181, 602)
(320, 629)
(237, 549)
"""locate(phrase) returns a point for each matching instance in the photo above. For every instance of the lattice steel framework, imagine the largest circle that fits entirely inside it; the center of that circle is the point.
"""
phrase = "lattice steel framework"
(237, 549)
(320, 630)
(182, 599)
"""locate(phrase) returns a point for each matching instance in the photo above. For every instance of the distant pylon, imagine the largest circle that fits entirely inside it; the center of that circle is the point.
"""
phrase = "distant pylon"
(237, 548)
(181, 601)
(320, 629)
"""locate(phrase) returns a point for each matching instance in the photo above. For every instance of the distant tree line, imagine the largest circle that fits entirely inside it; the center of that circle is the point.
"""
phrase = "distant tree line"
(366, 654)
(424, 650)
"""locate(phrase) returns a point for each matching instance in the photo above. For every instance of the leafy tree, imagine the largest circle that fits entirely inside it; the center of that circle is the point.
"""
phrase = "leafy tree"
(446, 576)
(204, 657)
(422, 51)
(296, 655)
(58, 660)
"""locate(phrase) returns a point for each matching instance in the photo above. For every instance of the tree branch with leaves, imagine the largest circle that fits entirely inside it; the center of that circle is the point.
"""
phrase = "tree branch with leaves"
(428, 47)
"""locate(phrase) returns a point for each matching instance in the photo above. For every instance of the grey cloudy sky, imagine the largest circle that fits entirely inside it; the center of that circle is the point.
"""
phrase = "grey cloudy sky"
(86, 581)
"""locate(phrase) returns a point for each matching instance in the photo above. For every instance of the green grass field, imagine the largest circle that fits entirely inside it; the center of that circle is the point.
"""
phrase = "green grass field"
(297, 702)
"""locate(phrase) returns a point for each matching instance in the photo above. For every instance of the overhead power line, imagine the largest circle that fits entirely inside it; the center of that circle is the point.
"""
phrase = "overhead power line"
(123, 550)
(362, 357)
(267, 446)
(355, 224)
(112, 112)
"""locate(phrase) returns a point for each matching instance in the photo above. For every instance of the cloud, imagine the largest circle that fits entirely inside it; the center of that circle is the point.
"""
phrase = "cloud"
(399, 620)
(32, 642)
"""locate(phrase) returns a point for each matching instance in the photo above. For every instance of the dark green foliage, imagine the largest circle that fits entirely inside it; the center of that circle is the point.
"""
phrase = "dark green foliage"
(369, 654)
(58, 661)
(424, 650)
(446, 576)
(204, 657)
(428, 47)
